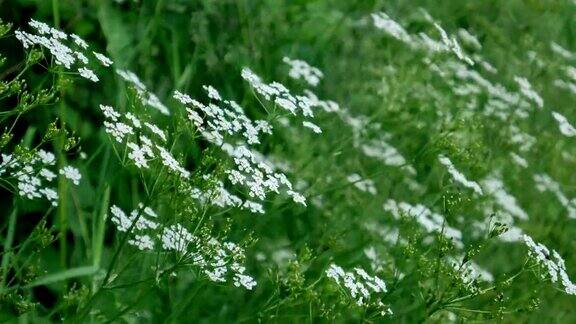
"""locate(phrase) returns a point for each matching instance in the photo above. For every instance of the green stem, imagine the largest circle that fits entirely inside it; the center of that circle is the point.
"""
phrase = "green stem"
(56, 12)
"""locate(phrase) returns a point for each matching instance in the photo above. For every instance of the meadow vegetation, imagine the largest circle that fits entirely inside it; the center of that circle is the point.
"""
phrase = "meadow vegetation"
(287, 161)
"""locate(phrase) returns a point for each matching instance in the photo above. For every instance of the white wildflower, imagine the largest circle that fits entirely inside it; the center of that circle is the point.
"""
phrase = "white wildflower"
(312, 126)
(302, 70)
(104, 60)
(459, 177)
(565, 127)
(88, 74)
(71, 173)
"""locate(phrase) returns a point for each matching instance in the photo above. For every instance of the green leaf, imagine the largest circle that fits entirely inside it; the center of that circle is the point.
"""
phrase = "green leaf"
(63, 275)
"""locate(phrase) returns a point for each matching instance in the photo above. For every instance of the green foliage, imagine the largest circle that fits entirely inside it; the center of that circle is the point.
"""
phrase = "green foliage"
(418, 188)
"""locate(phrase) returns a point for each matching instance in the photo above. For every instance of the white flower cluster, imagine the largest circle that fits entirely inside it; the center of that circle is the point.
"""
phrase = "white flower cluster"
(71, 173)
(219, 124)
(282, 97)
(220, 197)
(495, 187)
(518, 160)
(378, 148)
(552, 262)
(67, 50)
(564, 53)
(365, 185)
(527, 91)
(569, 84)
(145, 140)
(383, 22)
(219, 261)
(470, 271)
(432, 222)
(452, 45)
(458, 176)
(361, 286)
(524, 140)
(301, 70)
(469, 39)
(565, 127)
(257, 175)
(446, 44)
(33, 174)
(382, 150)
(545, 183)
(467, 82)
(148, 98)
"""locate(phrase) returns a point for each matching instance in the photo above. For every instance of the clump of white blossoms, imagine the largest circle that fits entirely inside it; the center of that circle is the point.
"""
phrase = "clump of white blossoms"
(69, 51)
(218, 261)
(33, 174)
(71, 173)
(382, 150)
(469, 39)
(495, 187)
(552, 262)
(366, 185)
(225, 124)
(383, 22)
(361, 287)
(470, 271)
(421, 41)
(545, 183)
(518, 160)
(144, 140)
(431, 221)
(565, 127)
(302, 70)
(148, 98)
(282, 97)
(563, 52)
(458, 176)
(378, 148)
(451, 43)
(527, 91)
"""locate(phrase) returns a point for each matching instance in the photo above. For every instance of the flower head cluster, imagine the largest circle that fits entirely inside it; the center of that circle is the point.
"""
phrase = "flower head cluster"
(148, 98)
(219, 261)
(365, 185)
(470, 271)
(458, 176)
(380, 149)
(495, 187)
(446, 44)
(383, 22)
(218, 195)
(281, 96)
(527, 91)
(219, 124)
(565, 127)
(253, 172)
(552, 262)
(144, 140)
(302, 70)
(33, 174)
(452, 45)
(361, 286)
(545, 183)
(432, 222)
(68, 50)
(71, 173)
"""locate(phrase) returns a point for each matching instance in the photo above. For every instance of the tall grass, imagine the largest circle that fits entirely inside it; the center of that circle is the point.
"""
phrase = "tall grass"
(287, 161)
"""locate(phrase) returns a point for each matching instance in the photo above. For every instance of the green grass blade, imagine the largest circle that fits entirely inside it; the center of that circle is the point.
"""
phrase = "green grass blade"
(8, 244)
(63, 275)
